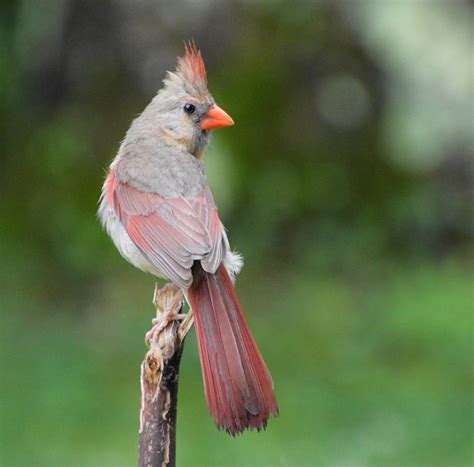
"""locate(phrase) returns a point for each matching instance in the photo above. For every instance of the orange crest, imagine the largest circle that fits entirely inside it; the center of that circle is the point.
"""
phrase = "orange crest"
(191, 65)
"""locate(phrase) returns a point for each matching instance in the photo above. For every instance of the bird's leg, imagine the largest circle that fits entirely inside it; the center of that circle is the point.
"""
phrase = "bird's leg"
(166, 309)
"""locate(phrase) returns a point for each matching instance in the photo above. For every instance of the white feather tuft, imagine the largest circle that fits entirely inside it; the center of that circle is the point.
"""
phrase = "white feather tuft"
(233, 262)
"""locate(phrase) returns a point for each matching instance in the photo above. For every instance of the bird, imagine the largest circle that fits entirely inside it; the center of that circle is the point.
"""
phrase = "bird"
(157, 207)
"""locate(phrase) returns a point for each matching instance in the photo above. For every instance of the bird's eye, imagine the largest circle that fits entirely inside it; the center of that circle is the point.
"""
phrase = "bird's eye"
(189, 108)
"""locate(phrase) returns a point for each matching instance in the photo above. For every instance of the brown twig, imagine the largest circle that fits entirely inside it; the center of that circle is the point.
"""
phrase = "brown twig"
(159, 379)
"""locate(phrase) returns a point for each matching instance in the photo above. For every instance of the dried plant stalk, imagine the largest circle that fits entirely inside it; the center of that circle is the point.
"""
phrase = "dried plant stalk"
(159, 379)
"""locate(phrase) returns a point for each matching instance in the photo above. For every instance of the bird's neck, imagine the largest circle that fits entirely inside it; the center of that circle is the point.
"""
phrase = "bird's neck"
(194, 145)
(199, 144)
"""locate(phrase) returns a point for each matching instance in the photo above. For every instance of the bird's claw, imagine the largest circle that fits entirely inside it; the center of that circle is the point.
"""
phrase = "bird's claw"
(160, 323)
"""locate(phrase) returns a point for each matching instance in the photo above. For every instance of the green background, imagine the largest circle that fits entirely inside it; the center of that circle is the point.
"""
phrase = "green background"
(346, 183)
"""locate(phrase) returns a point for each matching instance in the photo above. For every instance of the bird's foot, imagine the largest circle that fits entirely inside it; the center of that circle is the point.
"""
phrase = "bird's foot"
(168, 301)
(159, 324)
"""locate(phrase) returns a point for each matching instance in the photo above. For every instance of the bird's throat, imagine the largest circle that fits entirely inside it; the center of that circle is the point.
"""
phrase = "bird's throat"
(195, 145)
(199, 144)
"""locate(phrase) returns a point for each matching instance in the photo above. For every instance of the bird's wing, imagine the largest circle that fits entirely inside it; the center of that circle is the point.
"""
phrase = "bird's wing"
(172, 232)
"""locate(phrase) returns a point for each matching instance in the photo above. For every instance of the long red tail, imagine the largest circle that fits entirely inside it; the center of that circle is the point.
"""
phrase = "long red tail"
(237, 383)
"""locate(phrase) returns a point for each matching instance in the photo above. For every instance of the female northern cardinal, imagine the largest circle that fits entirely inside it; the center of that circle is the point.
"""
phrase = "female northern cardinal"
(157, 207)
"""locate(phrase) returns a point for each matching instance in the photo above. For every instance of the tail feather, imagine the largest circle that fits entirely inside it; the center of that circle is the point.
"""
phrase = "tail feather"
(237, 383)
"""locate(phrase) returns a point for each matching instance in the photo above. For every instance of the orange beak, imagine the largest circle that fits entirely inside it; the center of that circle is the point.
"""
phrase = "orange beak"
(216, 118)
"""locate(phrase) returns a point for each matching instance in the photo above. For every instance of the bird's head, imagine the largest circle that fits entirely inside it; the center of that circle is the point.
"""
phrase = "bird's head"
(184, 108)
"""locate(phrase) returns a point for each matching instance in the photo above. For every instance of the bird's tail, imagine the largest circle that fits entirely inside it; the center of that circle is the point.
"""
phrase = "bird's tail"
(237, 383)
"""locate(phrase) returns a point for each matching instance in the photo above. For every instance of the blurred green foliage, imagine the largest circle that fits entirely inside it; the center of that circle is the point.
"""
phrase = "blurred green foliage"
(346, 183)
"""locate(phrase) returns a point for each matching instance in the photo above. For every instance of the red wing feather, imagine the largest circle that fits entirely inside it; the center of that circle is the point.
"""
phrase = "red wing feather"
(172, 232)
